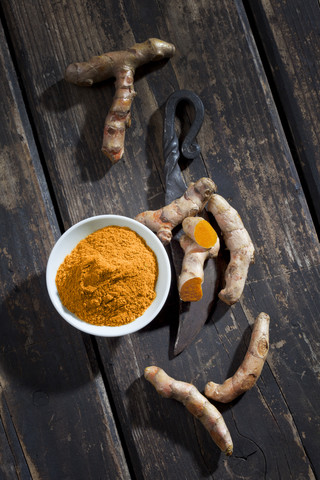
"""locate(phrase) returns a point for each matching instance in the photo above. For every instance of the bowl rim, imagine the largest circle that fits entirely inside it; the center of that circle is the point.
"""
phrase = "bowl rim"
(163, 281)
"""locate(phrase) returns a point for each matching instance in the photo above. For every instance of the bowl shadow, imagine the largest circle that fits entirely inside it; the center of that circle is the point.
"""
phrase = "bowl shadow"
(38, 349)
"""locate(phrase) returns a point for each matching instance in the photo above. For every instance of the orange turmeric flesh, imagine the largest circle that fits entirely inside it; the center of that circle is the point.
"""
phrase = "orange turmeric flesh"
(164, 220)
(192, 275)
(191, 290)
(200, 231)
(204, 234)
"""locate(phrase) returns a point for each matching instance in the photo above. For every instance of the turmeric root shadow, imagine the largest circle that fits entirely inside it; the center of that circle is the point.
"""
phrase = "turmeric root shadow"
(235, 362)
(62, 99)
(168, 427)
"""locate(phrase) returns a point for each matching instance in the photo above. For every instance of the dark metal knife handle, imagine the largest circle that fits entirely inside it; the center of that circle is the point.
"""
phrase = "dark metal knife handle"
(175, 184)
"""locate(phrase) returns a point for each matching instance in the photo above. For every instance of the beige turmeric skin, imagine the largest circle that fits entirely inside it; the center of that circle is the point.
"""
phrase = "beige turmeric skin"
(195, 403)
(164, 220)
(238, 242)
(250, 369)
(109, 278)
(121, 65)
(192, 273)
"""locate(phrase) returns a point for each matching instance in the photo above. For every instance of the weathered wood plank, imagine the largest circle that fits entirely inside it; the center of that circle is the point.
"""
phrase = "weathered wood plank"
(54, 410)
(13, 464)
(245, 152)
(289, 35)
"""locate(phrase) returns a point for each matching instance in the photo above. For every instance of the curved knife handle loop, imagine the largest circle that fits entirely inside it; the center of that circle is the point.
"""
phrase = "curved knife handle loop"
(190, 149)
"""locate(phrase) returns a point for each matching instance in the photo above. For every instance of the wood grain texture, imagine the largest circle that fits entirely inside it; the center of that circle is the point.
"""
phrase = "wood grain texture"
(289, 36)
(53, 406)
(245, 151)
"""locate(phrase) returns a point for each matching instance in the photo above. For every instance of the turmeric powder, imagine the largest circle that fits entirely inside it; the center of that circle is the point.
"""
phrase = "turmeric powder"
(109, 278)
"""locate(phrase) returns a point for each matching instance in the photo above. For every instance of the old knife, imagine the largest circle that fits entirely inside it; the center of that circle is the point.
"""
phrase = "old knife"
(192, 315)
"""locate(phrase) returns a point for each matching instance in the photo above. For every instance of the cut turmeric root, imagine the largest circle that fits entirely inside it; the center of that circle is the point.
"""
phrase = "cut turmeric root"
(200, 231)
(250, 369)
(192, 273)
(191, 290)
(164, 220)
(196, 404)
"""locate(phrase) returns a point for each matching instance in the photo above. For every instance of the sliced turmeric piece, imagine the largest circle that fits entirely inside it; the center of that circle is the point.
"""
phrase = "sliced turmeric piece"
(200, 231)
(192, 274)
(191, 290)
(164, 220)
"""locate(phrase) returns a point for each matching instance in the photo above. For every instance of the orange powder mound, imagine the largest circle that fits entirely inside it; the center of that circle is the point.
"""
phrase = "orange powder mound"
(109, 278)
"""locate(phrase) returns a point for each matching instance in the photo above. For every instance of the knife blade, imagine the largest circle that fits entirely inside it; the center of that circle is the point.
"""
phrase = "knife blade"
(192, 315)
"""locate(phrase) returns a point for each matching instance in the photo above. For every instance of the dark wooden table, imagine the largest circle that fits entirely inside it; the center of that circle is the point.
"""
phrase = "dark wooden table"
(77, 407)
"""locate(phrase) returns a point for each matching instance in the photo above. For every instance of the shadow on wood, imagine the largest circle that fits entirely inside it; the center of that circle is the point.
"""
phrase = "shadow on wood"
(37, 346)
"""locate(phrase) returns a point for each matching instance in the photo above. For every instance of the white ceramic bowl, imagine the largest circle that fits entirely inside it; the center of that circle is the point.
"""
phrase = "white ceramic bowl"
(67, 243)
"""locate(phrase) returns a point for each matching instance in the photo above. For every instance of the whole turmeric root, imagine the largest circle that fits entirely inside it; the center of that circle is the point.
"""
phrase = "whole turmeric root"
(195, 403)
(250, 369)
(238, 241)
(192, 274)
(121, 65)
(164, 220)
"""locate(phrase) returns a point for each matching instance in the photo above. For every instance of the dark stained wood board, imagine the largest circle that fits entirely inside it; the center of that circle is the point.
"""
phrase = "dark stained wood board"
(288, 34)
(56, 421)
(245, 151)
